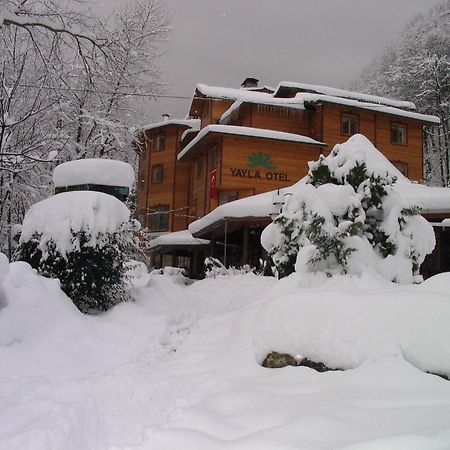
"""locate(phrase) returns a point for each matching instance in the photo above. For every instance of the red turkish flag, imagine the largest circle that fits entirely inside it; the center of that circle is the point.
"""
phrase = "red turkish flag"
(212, 185)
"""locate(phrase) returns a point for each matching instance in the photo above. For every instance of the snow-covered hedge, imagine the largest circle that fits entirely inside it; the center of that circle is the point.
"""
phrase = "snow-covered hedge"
(85, 239)
(347, 218)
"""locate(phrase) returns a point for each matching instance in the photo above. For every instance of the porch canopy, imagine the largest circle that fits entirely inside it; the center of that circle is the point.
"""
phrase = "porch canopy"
(179, 240)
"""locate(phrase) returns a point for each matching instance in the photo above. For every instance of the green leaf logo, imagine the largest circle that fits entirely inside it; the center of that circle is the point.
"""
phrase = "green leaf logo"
(260, 159)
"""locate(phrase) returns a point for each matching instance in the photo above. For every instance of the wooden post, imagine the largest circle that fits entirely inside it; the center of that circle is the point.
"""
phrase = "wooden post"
(245, 245)
(225, 244)
(174, 258)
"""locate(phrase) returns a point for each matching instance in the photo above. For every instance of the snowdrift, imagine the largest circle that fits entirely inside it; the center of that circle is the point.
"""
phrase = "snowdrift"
(179, 367)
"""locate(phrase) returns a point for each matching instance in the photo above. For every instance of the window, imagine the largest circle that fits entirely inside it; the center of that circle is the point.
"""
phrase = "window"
(157, 174)
(214, 153)
(159, 218)
(160, 142)
(227, 197)
(199, 167)
(349, 124)
(398, 133)
(401, 166)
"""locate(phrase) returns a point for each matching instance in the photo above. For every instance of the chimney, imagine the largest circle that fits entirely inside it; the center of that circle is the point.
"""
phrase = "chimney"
(250, 83)
(165, 117)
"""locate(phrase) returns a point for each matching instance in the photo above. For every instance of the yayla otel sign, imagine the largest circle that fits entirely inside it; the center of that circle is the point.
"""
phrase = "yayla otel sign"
(257, 161)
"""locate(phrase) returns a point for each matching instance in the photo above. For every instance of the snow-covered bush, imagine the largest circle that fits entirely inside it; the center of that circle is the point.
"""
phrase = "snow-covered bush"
(85, 239)
(346, 217)
(214, 268)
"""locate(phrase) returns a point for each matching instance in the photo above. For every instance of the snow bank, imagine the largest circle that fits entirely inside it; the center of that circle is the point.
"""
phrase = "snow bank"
(107, 172)
(179, 366)
(57, 217)
(350, 321)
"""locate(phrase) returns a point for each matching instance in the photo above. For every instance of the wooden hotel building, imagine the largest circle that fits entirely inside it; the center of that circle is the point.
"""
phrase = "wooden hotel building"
(236, 143)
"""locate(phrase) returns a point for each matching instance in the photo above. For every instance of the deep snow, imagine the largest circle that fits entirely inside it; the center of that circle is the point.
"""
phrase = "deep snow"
(178, 368)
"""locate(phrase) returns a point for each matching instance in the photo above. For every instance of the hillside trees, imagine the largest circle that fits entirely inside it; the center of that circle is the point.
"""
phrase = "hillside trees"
(63, 75)
(417, 68)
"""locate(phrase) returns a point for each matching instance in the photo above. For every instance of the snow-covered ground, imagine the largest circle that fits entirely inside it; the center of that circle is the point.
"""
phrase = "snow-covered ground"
(179, 368)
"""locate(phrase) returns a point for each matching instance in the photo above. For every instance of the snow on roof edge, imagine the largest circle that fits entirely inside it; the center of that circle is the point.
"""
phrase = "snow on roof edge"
(337, 92)
(248, 131)
(313, 98)
(192, 123)
(183, 237)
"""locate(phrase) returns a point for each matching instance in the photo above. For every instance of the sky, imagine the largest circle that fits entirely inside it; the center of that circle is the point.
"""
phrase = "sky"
(220, 43)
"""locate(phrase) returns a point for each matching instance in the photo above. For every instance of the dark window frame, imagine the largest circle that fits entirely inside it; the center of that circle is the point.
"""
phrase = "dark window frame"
(350, 117)
(155, 178)
(160, 142)
(214, 157)
(159, 218)
(228, 193)
(395, 126)
(402, 166)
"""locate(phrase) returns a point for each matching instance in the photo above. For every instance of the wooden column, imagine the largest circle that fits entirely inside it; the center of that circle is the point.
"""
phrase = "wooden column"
(174, 258)
(245, 240)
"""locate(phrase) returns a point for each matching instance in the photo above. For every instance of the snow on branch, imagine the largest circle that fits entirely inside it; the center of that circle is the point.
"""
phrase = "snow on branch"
(7, 18)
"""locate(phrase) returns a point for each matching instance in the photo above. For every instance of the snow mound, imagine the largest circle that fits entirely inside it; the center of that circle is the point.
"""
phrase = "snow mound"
(178, 367)
(107, 172)
(58, 217)
(343, 324)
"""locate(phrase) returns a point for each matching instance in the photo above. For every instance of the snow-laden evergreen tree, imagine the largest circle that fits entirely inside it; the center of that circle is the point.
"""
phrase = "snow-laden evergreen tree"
(417, 68)
(85, 239)
(346, 217)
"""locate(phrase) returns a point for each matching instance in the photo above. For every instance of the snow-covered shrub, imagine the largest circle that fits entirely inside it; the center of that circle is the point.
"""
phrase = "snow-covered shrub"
(85, 239)
(214, 268)
(346, 217)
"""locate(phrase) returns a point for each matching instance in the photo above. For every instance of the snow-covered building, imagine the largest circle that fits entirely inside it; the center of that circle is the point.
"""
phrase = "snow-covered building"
(94, 174)
(238, 143)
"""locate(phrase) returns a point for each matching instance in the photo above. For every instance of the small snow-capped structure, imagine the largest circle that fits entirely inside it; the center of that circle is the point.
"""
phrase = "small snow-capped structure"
(179, 249)
(103, 175)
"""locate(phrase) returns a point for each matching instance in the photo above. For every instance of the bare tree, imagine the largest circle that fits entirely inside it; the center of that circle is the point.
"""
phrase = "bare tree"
(69, 86)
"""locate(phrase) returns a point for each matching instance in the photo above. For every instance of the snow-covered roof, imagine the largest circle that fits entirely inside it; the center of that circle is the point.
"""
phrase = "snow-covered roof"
(248, 131)
(107, 172)
(228, 93)
(191, 123)
(430, 199)
(57, 217)
(334, 92)
(317, 98)
(309, 93)
(188, 132)
(183, 237)
(268, 100)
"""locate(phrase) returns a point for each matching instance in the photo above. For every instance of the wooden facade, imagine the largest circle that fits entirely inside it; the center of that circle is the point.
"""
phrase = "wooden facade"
(223, 161)
(229, 158)
(157, 195)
